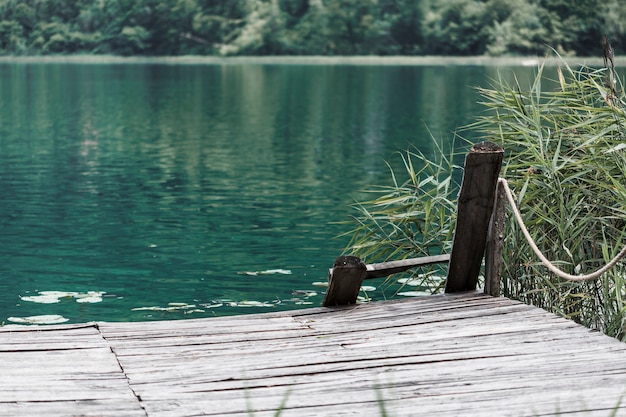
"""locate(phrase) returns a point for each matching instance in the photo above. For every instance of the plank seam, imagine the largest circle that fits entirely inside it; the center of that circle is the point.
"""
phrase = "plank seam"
(119, 363)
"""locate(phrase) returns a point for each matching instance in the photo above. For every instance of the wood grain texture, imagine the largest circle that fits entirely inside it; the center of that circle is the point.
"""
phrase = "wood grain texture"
(344, 281)
(385, 269)
(495, 243)
(453, 355)
(475, 205)
(62, 371)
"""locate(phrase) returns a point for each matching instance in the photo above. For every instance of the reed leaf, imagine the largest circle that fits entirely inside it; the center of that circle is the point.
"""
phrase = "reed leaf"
(411, 218)
(566, 161)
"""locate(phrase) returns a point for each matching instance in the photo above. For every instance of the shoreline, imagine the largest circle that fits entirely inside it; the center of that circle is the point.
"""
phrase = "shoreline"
(525, 61)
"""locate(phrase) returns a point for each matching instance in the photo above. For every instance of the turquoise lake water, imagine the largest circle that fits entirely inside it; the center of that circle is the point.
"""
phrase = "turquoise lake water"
(154, 191)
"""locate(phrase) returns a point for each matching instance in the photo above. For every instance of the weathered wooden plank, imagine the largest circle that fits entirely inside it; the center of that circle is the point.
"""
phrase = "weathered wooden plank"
(440, 382)
(271, 367)
(234, 324)
(274, 323)
(475, 205)
(426, 332)
(283, 320)
(320, 329)
(16, 338)
(317, 339)
(325, 326)
(299, 367)
(495, 243)
(464, 354)
(60, 371)
(92, 407)
(412, 373)
(61, 375)
(502, 374)
(47, 328)
(460, 398)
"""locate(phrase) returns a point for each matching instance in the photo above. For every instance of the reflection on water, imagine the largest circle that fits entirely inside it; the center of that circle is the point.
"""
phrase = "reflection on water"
(168, 190)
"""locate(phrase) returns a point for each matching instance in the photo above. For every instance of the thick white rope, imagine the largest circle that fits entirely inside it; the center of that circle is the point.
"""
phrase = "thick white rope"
(545, 261)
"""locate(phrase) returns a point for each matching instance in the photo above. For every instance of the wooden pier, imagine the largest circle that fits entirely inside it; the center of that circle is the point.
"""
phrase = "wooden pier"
(452, 355)
(459, 354)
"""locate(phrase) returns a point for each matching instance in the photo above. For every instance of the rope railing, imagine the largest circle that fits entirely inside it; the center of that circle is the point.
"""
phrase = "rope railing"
(551, 267)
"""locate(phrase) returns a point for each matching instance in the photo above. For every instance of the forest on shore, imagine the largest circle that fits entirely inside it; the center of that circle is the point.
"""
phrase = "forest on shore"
(310, 27)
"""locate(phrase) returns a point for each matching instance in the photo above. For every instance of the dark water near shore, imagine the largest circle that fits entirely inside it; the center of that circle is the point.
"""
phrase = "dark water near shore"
(153, 191)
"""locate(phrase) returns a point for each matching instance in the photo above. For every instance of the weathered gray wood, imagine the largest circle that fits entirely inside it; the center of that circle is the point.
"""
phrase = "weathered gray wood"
(495, 244)
(62, 371)
(91, 407)
(475, 205)
(432, 354)
(344, 281)
(384, 269)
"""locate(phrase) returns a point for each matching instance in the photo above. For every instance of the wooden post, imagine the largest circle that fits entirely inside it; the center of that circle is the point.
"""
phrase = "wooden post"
(344, 281)
(495, 243)
(476, 200)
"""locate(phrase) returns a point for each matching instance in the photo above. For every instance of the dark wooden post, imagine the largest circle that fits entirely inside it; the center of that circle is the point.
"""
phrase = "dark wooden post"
(476, 200)
(495, 243)
(344, 281)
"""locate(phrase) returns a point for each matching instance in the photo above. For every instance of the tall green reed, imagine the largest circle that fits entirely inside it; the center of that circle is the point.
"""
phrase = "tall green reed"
(565, 160)
(412, 217)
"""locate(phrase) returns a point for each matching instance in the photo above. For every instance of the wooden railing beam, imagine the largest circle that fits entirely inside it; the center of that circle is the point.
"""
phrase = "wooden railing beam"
(348, 272)
(393, 267)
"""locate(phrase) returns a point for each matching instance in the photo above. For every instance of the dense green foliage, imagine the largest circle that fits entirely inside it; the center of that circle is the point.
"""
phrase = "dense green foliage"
(309, 27)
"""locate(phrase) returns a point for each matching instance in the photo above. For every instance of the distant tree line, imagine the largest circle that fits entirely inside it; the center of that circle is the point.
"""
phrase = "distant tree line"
(310, 27)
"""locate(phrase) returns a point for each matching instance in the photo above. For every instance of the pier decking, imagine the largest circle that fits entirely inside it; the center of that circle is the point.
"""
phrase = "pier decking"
(453, 355)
